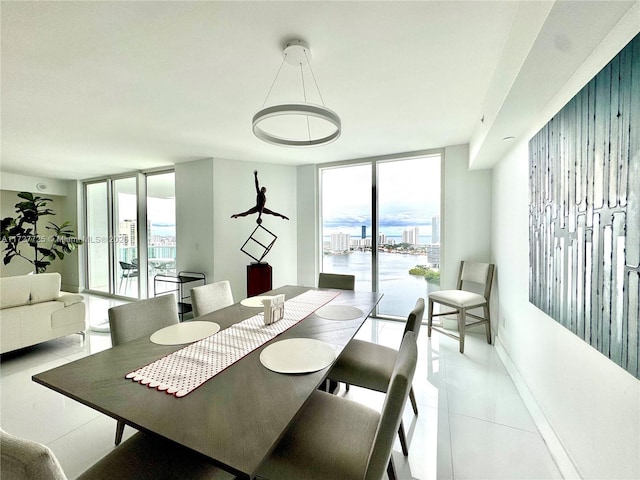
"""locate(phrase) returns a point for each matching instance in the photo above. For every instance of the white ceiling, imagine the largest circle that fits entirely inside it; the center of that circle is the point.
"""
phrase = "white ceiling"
(95, 88)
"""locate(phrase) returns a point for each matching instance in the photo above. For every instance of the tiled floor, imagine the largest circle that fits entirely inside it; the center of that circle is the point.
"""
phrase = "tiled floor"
(472, 424)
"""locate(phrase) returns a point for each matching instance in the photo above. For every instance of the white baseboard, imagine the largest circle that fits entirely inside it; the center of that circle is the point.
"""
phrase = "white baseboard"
(554, 444)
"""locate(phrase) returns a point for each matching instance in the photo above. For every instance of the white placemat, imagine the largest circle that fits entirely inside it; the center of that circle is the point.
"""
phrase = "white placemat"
(255, 301)
(186, 332)
(339, 312)
(297, 355)
(184, 370)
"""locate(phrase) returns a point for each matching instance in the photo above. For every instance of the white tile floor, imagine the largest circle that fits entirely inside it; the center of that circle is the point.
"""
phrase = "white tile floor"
(472, 423)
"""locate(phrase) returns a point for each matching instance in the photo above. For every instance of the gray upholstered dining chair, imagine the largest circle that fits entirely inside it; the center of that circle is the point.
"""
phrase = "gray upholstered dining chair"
(332, 437)
(143, 457)
(211, 297)
(138, 319)
(370, 365)
(471, 275)
(336, 280)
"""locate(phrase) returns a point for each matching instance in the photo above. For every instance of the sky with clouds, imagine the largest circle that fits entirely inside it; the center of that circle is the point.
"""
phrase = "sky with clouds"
(408, 196)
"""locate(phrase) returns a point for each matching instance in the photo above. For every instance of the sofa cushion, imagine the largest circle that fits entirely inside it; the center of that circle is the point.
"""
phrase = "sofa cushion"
(15, 291)
(45, 287)
(70, 298)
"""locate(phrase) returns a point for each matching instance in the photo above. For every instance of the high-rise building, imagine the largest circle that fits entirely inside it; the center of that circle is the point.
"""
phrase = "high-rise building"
(435, 229)
(382, 239)
(128, 233)
(411, 236)
(340, 242)
(364, 231)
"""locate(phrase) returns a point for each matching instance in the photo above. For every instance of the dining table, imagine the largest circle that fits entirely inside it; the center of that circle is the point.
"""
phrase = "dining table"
(234, 418)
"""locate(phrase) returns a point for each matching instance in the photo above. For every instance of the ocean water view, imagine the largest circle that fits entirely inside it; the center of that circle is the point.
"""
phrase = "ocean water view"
(400, 289)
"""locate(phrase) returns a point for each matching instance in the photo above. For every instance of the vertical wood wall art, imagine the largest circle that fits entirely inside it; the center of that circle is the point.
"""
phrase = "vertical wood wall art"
(584, 212)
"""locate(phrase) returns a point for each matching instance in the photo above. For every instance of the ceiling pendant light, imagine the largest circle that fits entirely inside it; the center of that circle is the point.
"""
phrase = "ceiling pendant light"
(297, 124)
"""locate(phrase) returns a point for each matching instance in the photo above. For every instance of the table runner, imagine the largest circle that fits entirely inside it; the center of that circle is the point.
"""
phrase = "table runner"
(184, 370)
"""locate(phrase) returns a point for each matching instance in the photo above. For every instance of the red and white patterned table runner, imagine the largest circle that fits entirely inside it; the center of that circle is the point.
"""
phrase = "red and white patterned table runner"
(186, 369)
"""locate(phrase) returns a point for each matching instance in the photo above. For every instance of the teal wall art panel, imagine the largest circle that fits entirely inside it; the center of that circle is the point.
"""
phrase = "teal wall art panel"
(584, 212)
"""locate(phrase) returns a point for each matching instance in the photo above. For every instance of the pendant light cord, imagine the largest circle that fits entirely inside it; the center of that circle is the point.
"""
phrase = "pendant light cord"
(314, 78)
(274, 80)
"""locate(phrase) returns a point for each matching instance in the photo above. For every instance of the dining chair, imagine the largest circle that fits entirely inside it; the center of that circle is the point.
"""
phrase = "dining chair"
(142, 457)
(128, 271)
(370, 365)
(471, 276)
(211, 297)
(336, 280)
(333, 437)
(341, 282)
(139, 319)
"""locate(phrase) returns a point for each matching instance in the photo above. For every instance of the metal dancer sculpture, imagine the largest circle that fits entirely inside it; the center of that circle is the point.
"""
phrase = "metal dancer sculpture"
(261, 240)
(261, 199)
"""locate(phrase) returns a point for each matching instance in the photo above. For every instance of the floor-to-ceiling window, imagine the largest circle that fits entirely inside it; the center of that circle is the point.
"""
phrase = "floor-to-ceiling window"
(381, 222)
(97, 244)
(161, 222)
(131, 230)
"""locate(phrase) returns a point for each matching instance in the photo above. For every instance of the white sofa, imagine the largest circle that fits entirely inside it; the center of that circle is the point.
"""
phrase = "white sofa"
(33, 310)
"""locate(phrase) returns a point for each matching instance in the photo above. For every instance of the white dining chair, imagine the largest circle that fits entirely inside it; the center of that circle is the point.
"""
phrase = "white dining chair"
(211, 297)
(336, 438)
(138, 319)
(370, 365)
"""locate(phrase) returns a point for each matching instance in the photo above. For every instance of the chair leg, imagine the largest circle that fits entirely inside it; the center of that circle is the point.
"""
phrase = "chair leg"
(391, 469)
(488, 324)
(119, 432)
(461, 325)
(346, 386)
(403, 440)
(430, 318)
(412, 397)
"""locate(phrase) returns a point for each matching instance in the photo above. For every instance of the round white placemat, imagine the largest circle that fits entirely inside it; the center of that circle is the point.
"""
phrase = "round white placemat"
(339, 312)
(297, 355)
(255, 301)
(186, 332)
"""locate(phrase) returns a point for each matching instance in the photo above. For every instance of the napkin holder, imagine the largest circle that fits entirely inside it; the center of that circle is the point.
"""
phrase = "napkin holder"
(273, 309)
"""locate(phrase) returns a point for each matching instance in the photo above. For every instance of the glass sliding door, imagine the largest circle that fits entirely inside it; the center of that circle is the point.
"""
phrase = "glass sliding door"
(384, 228)
(97, 245)
(408, 226)
(125, 217)
(346, 222)
(161, 221)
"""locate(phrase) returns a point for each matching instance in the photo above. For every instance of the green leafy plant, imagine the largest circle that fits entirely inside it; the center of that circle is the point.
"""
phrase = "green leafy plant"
(21, 233)
(429, 275)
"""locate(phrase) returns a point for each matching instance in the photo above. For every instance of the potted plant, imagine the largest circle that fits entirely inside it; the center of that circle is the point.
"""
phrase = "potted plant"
(21, 232)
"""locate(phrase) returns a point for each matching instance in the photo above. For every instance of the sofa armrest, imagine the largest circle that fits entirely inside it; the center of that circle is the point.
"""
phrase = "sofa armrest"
(70, 298)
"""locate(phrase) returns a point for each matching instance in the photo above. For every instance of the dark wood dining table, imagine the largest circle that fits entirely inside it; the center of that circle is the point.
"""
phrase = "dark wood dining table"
(235, 418)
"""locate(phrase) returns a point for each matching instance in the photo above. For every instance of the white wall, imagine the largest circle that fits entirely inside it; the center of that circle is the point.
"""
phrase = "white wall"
(208, 192)
(234, 191)
(466, 224)
(592, 404)
(194, 217)
(308, 226)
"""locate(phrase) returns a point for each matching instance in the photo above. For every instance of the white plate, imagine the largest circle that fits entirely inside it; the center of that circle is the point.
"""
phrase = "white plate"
(186, 332)
(339, 312)
(297, 355)
(255, 301)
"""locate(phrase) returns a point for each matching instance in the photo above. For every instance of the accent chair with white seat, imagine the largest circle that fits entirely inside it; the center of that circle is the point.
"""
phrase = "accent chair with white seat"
(462, 300)
(370, 365)
(139, 319)
(335, 438)
(337, 280)
(211, 297)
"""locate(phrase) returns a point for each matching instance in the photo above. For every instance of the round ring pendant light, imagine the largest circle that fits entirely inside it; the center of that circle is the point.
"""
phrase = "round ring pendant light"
(297, 53)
